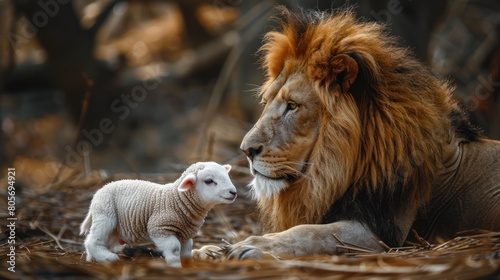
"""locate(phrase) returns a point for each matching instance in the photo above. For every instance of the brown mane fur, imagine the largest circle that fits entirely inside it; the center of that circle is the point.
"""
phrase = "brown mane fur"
(385, 135)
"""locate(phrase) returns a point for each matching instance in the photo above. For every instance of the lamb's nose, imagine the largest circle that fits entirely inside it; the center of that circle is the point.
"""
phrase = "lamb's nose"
(253, 151)
(233, 193)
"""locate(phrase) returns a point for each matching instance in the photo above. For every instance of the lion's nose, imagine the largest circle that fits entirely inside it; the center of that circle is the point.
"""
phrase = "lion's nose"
(253, 151)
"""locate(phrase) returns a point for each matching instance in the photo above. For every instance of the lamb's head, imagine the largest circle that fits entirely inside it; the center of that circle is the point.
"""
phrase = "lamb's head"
(211, 181)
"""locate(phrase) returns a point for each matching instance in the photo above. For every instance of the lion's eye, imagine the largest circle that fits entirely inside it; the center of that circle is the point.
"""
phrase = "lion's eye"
(291, 105)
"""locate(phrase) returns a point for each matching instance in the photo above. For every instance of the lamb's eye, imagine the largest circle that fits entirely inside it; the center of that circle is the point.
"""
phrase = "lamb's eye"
(209, 181)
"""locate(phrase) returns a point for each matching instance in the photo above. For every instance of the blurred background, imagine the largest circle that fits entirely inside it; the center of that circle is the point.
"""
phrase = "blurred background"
(150, 86)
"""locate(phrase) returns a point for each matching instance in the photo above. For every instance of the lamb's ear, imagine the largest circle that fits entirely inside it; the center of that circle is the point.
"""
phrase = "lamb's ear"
(345, 70)
(227, 167)
(187, 183)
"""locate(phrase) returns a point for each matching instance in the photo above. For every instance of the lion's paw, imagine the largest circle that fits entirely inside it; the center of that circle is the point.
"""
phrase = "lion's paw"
(207, 252)
(254, 247)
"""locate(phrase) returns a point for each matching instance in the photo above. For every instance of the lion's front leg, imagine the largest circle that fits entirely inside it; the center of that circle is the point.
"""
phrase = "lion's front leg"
(304, 240)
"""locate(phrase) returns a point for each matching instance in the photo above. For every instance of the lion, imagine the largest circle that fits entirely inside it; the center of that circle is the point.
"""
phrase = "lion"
(359, 143)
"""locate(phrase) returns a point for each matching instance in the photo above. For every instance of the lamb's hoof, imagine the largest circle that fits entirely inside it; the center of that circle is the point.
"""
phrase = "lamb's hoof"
(174, 263)
(108, 258)
(113, 258)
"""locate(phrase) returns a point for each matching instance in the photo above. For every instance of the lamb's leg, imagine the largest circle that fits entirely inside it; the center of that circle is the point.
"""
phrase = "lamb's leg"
(186, 248)
(171, 248)
(100, 232)
(114, 244)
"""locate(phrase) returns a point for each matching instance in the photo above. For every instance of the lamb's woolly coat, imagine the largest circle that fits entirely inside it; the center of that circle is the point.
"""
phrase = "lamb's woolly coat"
(139, 208)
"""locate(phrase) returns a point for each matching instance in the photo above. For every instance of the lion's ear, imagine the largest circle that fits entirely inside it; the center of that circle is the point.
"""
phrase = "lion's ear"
(345, 70)
(339, 71)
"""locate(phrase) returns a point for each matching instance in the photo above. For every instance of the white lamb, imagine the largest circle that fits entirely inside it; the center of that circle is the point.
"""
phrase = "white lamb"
(135, 211)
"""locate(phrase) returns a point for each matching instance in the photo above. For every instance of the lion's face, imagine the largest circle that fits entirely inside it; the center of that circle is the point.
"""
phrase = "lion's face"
(279, 145)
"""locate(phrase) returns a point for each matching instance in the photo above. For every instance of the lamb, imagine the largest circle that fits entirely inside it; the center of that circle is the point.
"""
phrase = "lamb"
(136, 211)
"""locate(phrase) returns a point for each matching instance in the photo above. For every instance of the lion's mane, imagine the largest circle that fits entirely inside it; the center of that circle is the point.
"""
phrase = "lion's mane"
(388, 129)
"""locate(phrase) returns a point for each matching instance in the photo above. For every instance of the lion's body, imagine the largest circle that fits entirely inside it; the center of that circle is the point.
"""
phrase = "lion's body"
(355, 129)
(466, 194)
